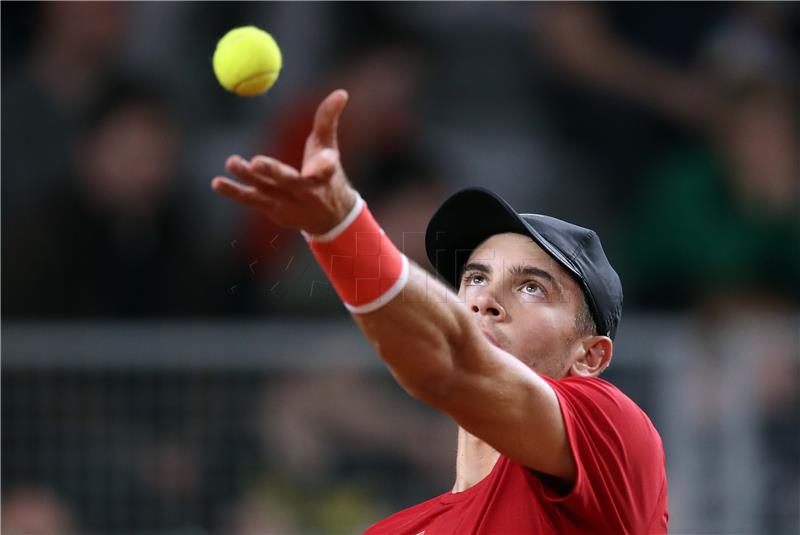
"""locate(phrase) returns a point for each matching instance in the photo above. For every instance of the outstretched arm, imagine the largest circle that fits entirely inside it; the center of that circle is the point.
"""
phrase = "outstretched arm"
(425, 334)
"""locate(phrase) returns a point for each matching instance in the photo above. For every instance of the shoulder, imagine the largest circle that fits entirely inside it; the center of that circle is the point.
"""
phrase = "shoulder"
(594, 395)
(593, 408)
(618, 453)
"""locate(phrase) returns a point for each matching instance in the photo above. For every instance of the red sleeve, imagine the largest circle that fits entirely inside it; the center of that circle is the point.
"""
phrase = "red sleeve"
(621, 480)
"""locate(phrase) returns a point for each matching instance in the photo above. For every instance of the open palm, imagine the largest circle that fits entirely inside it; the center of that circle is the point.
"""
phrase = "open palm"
(313, 199)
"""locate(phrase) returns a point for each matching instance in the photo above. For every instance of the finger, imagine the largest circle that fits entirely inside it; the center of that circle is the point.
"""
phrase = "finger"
(243, 170)
(326, 120)
(237, 165)
(321, 166)
(247, 195)
(275, 171)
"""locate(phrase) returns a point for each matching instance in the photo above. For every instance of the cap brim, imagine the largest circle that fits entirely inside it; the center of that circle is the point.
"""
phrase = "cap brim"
(468, 218)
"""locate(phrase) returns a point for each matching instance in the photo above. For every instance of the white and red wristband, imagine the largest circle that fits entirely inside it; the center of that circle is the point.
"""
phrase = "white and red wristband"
(360, 260)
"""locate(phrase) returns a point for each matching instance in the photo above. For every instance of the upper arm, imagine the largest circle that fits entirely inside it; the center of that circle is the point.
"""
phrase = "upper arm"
(500, 400)
(435, 351)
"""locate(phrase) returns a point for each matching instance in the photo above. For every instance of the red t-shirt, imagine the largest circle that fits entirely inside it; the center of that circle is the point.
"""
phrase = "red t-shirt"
(621, 485)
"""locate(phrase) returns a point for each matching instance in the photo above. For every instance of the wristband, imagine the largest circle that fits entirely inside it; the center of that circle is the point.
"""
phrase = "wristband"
(361, 262)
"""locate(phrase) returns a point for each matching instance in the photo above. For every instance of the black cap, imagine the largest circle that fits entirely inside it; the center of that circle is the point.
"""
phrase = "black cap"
(472, 215)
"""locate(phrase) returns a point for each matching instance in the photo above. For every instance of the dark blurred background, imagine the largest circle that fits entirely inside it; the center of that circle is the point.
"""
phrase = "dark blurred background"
(173, 363)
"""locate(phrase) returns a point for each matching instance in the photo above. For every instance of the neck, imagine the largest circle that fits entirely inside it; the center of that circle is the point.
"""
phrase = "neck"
(474, 461)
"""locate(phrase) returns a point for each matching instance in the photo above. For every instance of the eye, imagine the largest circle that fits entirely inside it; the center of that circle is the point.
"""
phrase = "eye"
(531, 288)
(474, 279)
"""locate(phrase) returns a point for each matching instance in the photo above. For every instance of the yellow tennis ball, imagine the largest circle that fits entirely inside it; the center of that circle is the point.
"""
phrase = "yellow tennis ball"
(247, 61)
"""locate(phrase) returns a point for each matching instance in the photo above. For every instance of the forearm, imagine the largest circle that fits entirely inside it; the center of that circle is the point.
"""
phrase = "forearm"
(417, 325)
(424, 335)
(438, 354)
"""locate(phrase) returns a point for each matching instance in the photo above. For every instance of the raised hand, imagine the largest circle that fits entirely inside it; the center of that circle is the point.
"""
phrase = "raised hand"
(314, 199)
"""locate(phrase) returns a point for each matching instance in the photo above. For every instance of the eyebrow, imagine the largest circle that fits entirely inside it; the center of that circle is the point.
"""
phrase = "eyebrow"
(517, 270)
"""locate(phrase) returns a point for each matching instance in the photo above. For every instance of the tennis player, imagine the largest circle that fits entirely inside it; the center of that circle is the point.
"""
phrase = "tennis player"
(544, 445)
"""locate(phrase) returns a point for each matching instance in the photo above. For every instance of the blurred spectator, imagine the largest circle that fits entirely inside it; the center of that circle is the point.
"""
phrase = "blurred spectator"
(114, 239)
(621, 86)
(633, 53)
(722, 220)
(74, 47)
(483, 112)
(316, 452)
(321, 423)
(326, 434)
(733, 434)
(35, 510)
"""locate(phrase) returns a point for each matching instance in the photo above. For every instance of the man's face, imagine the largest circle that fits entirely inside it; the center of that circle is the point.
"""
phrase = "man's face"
(523, 301)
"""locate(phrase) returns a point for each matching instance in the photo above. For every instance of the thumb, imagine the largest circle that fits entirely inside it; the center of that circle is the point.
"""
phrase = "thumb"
(326, 120)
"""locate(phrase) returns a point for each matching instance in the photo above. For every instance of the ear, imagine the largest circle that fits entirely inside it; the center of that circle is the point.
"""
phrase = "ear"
(594, 356)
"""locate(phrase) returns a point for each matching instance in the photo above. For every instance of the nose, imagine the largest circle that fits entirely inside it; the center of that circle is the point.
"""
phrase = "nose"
(484, 303)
